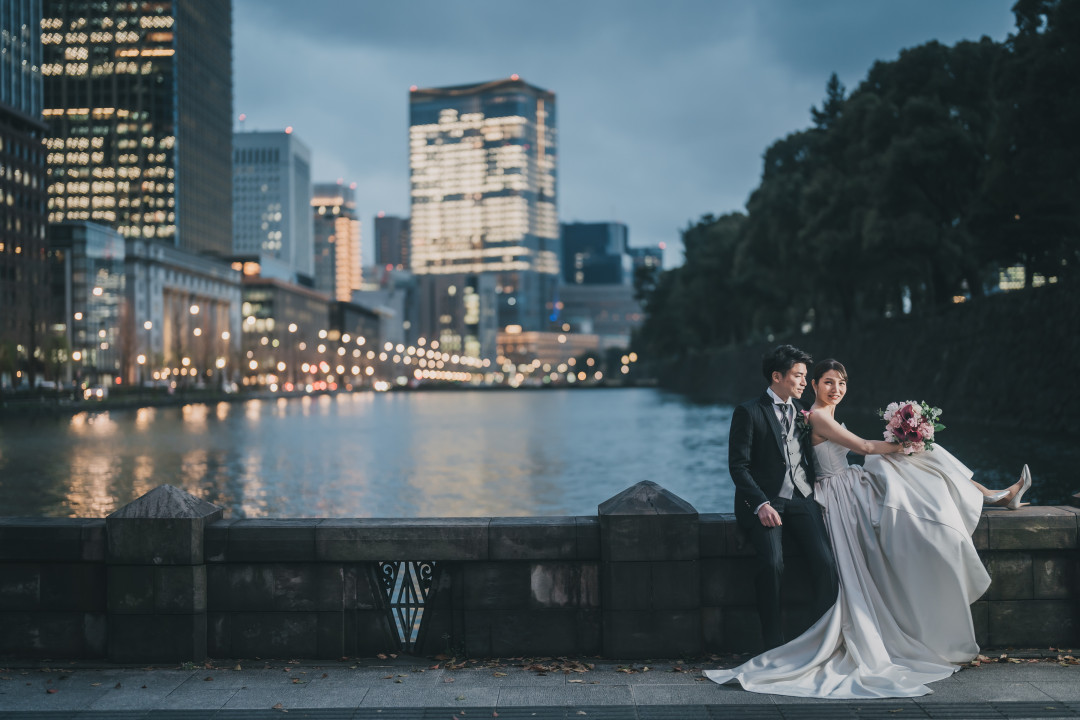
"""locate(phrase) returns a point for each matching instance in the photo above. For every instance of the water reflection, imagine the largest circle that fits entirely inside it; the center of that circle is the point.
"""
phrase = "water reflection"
(421, 455)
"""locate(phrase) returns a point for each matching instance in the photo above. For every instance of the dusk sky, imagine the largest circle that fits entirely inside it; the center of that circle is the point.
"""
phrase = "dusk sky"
(664, 108)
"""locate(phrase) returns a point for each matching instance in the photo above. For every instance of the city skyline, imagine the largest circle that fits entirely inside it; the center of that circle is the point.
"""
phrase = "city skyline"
(651, 133)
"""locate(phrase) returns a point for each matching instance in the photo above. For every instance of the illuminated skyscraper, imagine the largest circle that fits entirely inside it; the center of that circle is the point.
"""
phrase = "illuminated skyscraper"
(337, 240)
(392, 241)
(482, 162)
(138, 100)
(272, 200)
(23, 265)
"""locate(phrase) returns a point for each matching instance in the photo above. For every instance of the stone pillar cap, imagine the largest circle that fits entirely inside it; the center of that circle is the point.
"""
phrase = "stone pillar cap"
(646, 498)
(166, 501)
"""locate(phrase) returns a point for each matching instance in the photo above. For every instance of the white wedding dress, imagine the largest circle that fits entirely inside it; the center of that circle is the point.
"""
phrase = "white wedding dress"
(901, 530)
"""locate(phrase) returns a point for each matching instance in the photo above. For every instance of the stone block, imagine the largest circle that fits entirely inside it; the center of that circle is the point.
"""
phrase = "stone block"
(626, 586)
(497, 586)
(632, 538)
(647, 522)
(93, 540)
(368, 633)
(73, 586)
(981, 537)
(532, 538)
(271, 540)
(39, 634)
(741, 629)
(163, 527)
(588, 538)
(249, 587)
(564, 585)
(1055, 576)
(477, 633)
(651, 585)
(275, 634)
(980, 620)
(20, 586)
(219, 635)
(728, 581)
(676, 585)
(49, 539)
(1032, 528)
(216, 539)
(796, 619)
(180, 589)
(738, 542)
(712, 629)
(385, 539)
(311, 586)
(130, 589)
(713, 534)
(331, 639)
(543, 632)
(1032, 623)
(95, 634)
(217, 589)
(639, 634)
(157, 638)
(360, 587)
(1010, 576)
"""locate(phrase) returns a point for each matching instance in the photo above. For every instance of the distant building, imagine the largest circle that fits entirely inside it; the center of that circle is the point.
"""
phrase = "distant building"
(138, 100)
(392, 241)
(24, 285)
(337, 240)
(394, 295)
(88, 278)
(649, 257)
(272, 194)
(595, 254)
(609, 312)
(138, 103)
(483, 170)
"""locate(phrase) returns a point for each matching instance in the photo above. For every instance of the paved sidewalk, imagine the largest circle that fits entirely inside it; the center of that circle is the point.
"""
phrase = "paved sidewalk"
(408, 688)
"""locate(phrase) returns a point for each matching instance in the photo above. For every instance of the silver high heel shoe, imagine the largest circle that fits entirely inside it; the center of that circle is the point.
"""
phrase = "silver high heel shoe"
(1025, 483)
(995, 498)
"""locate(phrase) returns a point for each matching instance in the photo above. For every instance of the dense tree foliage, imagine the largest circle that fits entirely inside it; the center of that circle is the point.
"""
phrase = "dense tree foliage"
(942, 167)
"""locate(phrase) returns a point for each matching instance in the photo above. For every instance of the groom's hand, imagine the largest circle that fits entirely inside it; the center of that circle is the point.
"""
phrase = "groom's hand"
(768, 516)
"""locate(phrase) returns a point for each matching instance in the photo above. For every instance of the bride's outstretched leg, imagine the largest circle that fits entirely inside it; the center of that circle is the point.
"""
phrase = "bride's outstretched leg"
(1010, 496)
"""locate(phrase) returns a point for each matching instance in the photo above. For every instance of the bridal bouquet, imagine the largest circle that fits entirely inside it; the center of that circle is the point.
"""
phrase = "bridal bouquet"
(912, 424)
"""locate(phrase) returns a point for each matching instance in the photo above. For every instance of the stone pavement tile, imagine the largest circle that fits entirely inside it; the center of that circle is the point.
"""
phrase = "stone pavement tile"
(566, 695)
(698, 694)
(673, 712)
(431, 697)
(510, 676)
(202, 699)
(998, 692)
(1063, 690)
(1009, 672)
(660, 676)
(264, 696)
(333, 695)
(138, 689)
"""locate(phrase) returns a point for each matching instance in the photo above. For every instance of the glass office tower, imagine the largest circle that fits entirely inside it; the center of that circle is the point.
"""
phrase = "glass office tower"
(337, 240)
(23, 266)
(138, 100)
(483, 161)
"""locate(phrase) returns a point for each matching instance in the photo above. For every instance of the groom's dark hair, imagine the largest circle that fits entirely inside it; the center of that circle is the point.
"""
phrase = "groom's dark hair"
(781, 358)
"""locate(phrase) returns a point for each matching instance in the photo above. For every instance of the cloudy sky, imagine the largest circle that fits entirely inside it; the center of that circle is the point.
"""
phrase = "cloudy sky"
(664, 106)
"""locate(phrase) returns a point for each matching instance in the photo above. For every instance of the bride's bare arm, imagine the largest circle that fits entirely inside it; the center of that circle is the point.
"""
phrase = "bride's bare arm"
(827, 427)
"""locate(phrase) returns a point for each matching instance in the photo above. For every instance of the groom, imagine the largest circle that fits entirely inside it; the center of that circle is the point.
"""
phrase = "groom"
(772, 464)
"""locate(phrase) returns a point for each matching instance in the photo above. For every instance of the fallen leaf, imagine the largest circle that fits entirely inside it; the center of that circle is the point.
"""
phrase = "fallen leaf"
(381, 656)
(237, 667)
(460, 697)
(143, 687)
(326, 675)
(51, 691)
(388, 677)
(398, 680)
(117, 686)
(208, 679)
(576, 680)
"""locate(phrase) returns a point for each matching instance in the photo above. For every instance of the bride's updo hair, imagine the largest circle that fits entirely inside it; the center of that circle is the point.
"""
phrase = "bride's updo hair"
(824, 366)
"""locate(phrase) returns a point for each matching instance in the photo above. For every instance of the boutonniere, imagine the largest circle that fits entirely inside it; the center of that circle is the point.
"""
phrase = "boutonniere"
(802, 422)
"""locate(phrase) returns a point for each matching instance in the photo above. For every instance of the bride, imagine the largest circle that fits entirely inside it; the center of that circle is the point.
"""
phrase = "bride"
(900, 528)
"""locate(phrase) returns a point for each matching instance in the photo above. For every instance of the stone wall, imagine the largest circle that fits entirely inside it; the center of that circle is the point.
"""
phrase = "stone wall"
(165, 579)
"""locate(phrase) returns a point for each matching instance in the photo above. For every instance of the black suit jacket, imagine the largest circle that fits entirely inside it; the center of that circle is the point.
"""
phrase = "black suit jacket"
(757, 459)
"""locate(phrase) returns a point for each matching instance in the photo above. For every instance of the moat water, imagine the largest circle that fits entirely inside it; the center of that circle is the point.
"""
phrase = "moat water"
(427, 454)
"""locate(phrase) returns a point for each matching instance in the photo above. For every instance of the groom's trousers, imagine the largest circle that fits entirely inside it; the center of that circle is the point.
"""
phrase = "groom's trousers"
(803, 527)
